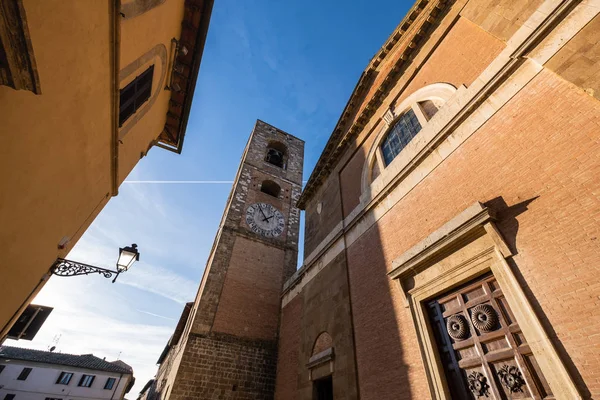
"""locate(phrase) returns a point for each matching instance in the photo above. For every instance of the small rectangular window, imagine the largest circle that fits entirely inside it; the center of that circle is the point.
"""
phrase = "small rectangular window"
(110, 382)
(64, 378)
(86, 380)
(9, 397)
(24, 374)
(135, 94)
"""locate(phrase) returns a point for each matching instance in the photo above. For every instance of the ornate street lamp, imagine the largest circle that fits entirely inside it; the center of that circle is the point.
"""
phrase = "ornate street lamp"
(127, 256)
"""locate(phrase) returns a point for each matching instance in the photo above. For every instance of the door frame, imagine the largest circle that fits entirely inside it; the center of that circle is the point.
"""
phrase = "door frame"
(463, 249)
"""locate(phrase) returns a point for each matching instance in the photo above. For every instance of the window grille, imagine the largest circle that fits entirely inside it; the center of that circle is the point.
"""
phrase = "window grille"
(400, 135)
(135, 94)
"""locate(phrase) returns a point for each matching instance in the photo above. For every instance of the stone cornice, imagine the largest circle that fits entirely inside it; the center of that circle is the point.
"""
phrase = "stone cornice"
(407, 35)
(460, 227)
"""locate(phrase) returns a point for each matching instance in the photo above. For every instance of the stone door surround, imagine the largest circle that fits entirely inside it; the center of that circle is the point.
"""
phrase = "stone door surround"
(466, 247)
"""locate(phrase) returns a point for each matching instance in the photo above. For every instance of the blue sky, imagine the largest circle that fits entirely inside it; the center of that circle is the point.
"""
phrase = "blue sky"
(290, 63)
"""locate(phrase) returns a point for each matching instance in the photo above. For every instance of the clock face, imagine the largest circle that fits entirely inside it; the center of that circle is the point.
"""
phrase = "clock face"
(265, 219)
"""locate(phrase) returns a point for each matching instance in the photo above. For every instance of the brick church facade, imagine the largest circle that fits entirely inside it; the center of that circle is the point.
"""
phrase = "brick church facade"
(452, 232)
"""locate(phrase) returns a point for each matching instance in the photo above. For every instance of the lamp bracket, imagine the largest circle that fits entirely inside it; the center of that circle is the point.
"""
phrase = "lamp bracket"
(62, 267)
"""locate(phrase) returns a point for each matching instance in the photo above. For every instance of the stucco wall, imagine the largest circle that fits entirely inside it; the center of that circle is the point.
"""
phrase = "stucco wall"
(41, 382)
(57, 145)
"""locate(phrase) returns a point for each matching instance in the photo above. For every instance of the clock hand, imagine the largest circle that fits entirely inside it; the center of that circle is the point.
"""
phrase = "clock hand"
(262, 212)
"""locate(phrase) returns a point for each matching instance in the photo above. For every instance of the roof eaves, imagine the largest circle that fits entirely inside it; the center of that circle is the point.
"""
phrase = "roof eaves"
(174, 143)
(340, 136)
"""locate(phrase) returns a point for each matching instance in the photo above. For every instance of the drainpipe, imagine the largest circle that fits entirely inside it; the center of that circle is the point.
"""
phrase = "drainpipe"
(116, 387)
(115, 41)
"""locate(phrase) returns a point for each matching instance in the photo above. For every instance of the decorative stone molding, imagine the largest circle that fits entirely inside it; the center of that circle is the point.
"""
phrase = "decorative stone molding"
(158, 55)
(389, 117)
(440, 92)
(484, 317)
(18, 68)
(321, 364)
(133, 8)
(418, 22)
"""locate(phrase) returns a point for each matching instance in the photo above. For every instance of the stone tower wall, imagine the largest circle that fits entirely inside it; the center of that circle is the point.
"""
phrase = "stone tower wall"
(230, 349)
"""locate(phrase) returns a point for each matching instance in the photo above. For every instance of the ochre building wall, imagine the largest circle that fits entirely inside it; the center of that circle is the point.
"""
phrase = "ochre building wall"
(57, 144)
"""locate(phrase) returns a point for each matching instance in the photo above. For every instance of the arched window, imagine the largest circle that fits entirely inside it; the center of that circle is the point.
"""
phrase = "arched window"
(322, 343)
(400, 124)
(405, 128)
(270, 188)
(276, 154)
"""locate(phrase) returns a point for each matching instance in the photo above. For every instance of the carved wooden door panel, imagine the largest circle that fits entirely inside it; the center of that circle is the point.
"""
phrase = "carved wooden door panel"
(482, 348)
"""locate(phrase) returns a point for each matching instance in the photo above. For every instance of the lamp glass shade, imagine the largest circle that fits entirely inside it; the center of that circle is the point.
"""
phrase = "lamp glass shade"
(127, 256)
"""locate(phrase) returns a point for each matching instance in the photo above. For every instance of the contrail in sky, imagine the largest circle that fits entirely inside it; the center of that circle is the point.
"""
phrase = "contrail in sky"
(183, 182)
(180, 182)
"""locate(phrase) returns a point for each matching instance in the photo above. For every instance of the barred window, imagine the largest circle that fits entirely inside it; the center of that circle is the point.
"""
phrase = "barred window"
(135, 94)
(400, 135)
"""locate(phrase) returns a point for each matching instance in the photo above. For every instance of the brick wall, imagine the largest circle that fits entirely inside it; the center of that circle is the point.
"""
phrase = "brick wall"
(318, 225)
(226, 367)
(250, 301)
(286, 387)
(230, 352)
(537, 155)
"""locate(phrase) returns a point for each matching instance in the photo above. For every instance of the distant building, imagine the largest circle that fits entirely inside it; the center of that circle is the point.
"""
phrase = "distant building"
(27, 374)
(149, 392)
(87, 89)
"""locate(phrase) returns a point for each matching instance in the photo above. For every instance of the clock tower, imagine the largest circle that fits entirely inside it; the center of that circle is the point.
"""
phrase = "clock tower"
(228, 346)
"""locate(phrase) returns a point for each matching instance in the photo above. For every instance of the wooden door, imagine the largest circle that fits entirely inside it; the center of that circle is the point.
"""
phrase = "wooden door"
(482, 348)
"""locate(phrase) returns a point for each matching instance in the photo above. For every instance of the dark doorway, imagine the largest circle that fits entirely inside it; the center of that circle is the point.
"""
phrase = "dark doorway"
(323, 389)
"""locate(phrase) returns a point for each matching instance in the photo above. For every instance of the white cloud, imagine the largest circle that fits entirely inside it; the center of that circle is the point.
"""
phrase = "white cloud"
(160, 281)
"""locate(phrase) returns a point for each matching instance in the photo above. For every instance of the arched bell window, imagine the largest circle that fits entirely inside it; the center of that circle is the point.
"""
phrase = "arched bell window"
(276, 154)
(271, 188)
